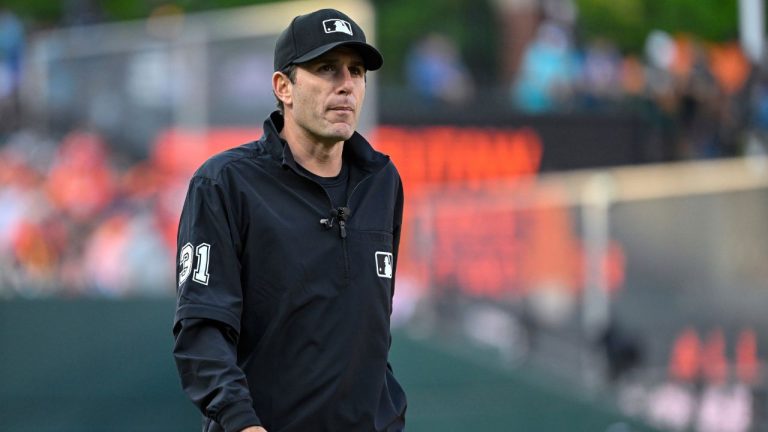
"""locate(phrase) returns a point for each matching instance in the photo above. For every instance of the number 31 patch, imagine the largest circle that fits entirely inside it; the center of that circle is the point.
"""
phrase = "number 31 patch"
(202, 253)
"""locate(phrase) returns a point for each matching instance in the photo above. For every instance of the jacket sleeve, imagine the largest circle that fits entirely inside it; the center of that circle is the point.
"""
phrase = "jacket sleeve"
(205, 356)
(209, 305)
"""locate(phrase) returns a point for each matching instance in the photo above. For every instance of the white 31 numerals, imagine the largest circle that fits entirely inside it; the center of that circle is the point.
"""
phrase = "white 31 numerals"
(202, 253)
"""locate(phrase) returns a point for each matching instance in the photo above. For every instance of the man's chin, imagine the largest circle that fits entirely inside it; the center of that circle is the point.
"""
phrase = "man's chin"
(341, 133)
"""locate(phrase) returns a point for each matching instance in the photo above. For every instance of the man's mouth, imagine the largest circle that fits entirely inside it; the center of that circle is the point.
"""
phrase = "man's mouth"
(342, 108)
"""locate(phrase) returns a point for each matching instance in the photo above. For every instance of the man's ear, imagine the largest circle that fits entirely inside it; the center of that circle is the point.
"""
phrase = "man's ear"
(282, 87)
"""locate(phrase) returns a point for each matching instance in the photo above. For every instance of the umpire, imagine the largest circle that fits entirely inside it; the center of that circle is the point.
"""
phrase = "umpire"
(287, 250)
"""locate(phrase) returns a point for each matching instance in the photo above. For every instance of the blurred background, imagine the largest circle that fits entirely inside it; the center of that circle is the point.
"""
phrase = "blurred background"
(586, 194)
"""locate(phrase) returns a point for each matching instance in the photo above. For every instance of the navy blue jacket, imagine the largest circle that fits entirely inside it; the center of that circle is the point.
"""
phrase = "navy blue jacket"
(284, 302)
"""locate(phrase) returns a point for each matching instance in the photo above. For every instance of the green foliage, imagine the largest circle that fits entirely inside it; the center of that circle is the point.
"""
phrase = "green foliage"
(114, 10)
(125, 10)
(201, 5)
(628, 22)
(42, 11)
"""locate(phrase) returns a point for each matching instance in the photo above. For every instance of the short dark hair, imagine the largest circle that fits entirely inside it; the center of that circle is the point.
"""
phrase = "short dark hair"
(290, 72)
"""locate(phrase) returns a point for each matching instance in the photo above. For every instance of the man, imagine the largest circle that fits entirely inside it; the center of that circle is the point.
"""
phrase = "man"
(287, 254)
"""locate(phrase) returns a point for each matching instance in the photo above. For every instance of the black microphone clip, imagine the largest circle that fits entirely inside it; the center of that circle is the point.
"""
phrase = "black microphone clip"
(341, 213)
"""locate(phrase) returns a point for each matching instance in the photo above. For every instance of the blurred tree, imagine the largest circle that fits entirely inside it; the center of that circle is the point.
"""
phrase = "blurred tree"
(628, 22)
(131, 9)
(35, 10)
(47, 11)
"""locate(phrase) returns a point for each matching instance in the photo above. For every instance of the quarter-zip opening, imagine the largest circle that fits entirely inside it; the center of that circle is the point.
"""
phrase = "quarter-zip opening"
(334, 216)
(343, 227)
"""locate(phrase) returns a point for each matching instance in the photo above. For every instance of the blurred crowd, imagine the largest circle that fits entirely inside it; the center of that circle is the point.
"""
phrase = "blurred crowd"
(74, 220)
(698, 97)
(697, 94)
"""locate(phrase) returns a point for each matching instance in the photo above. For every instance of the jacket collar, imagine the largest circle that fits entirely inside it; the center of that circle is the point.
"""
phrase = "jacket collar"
(357, 150)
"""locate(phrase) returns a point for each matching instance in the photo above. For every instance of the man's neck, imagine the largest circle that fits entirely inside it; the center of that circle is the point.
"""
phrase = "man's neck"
(318, 157)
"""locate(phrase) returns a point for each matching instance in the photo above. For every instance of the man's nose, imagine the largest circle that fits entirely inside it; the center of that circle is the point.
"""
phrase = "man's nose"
(345, 81)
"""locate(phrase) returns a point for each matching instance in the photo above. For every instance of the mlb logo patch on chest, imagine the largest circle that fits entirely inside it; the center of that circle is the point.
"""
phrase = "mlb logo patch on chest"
(384, 264)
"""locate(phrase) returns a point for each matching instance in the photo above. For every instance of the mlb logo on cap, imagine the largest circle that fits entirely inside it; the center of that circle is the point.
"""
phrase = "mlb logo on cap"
(337, 26)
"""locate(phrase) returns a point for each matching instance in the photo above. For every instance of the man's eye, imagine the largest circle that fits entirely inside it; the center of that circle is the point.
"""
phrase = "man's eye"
(327, 68)
(356, 71)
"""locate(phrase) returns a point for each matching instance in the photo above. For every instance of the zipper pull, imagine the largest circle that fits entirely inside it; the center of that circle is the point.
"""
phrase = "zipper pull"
(343, 214)
(343, 229)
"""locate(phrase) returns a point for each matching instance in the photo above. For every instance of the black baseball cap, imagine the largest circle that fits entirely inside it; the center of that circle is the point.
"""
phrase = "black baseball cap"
(312, 35)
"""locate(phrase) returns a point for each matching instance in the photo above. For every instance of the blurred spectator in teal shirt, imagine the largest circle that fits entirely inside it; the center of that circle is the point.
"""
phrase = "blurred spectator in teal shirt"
(547, 73)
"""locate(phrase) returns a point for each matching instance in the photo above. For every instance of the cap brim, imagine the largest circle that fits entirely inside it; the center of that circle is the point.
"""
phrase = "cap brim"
(371, 57)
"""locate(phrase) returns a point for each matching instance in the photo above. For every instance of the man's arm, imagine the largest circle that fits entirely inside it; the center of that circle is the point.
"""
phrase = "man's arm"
(207, 322)
(205, 357)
